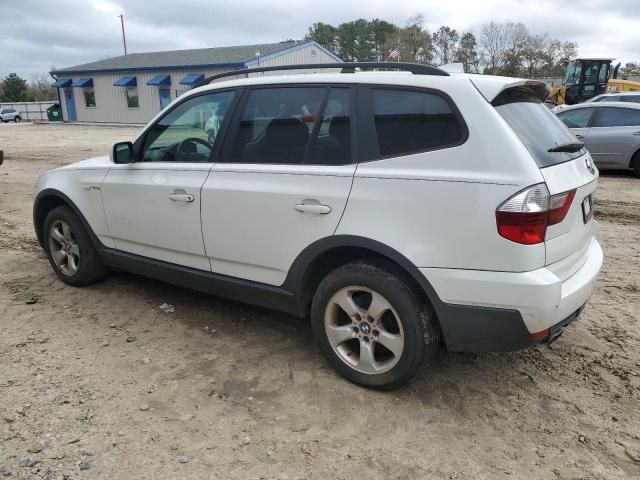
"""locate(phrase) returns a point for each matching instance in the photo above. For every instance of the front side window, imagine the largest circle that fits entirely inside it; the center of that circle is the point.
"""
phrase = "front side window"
(578, 118)
(617, 117)
(89, 97)
(409, 122)
(276, 125)
(132, 97)
(188, 132)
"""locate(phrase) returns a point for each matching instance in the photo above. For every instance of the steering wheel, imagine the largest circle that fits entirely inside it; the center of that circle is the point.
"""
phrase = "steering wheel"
(180, 148)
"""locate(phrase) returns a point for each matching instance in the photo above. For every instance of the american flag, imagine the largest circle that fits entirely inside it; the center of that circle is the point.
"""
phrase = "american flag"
(394, 53)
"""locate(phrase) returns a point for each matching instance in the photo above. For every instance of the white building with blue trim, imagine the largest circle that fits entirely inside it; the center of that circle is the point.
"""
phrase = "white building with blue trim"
(133, 88)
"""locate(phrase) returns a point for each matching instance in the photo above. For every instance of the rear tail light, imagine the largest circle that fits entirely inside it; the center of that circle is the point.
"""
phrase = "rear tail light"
(524, 218)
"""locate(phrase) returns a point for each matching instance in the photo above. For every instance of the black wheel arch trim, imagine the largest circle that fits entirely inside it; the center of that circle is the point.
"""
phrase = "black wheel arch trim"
(464, 327)
(37, 221)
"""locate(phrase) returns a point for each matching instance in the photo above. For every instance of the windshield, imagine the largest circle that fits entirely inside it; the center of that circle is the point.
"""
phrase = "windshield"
(536, 127)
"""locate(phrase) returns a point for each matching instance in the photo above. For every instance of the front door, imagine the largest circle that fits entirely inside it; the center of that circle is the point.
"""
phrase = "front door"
(165, 97)
(71, 105)
(153, 205)
(282, 182)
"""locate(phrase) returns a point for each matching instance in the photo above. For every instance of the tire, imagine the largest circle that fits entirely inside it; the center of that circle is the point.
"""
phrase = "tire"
(17, 119)
(635, 164)
(407, 325)
(63, 232)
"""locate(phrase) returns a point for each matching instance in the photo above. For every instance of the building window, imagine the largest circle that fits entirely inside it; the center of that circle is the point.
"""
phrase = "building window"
(132, 97)
(180, 91)
(89, 97)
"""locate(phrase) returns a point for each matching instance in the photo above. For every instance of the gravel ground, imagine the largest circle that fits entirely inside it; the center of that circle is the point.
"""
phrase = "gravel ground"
(99, 382)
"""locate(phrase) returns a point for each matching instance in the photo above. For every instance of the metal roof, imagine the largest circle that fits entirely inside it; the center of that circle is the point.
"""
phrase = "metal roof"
(178, 59)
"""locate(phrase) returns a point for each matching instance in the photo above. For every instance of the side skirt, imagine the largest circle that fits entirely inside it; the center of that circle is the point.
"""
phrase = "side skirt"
(236, 289)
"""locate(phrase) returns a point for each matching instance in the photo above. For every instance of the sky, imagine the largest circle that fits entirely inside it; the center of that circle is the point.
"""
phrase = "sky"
(39, 34)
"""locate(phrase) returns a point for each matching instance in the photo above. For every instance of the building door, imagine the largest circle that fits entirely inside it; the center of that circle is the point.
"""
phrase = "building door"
(165, 97)
(71, 105)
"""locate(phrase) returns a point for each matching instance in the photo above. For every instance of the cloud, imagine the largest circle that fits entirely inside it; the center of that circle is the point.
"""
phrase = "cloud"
(37, 35)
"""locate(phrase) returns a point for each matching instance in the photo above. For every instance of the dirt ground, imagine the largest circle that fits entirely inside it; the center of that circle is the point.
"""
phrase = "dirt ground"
(100, 383)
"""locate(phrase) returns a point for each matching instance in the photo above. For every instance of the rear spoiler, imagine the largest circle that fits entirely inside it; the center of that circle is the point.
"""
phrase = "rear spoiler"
(491, 87)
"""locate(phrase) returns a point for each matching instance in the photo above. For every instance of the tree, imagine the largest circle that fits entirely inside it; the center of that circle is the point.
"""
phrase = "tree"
(326, 35)
(630, 69)
(381, 31)
(493, 42)
(445, 40)
(40, 88)
(415, 41)
(14, 89)
(467, 53)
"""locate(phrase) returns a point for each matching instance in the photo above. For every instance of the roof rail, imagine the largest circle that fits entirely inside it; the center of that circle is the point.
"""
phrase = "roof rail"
(345, 67)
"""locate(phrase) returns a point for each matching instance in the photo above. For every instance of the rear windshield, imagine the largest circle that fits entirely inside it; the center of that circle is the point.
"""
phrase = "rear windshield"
(538, 129)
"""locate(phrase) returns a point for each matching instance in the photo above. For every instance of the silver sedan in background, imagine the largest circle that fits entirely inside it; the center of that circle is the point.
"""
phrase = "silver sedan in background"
(610, 131)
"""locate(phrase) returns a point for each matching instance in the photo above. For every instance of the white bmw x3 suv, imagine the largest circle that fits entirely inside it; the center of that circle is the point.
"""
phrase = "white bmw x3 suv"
(400, 211)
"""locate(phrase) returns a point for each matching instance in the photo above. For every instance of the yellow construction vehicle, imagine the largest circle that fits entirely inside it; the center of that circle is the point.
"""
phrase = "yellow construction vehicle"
(585, 78)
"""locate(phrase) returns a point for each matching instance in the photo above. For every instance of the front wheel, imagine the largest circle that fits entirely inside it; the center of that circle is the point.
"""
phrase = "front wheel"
(372, 327)
(17, 119)
(70, 250)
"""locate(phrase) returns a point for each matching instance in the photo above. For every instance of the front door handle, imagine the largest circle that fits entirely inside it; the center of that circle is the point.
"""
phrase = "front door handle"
(637, 133)
(181, 196)
(581, 137)
(316, 208)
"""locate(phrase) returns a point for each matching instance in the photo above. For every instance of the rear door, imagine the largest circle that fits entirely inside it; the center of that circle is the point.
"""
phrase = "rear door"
(567, 170)
(614, 136)
(283, 180)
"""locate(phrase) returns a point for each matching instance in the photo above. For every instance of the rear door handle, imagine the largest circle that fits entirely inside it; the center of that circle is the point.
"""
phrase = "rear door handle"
(581, 137)
(181, 196)
(637, 133)
(313, 208)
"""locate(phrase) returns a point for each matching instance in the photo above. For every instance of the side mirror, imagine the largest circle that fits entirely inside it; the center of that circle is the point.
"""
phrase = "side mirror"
(122, 153)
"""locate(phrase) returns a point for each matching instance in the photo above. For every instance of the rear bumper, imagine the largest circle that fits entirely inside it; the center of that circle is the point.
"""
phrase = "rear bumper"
(502, 311)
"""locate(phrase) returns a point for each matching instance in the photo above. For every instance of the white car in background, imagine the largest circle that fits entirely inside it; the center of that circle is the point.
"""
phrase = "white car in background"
(401, 212)
(9, 115)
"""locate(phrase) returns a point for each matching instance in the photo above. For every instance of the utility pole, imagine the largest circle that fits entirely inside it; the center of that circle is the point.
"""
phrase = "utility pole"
(124, 38)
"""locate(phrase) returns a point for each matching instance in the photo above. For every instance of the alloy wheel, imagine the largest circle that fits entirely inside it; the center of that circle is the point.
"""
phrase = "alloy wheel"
(64, 248)
(364, 330)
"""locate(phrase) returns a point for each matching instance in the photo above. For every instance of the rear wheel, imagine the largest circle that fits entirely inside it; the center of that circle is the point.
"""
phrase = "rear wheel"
(17, 119)
(372, 327)
(70, 250)
(635, 164)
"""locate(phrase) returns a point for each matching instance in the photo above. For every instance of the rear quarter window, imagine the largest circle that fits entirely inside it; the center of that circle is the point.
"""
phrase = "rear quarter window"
(409, 121)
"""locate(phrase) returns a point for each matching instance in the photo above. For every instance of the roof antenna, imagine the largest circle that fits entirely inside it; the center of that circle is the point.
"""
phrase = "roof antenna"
(124, 39)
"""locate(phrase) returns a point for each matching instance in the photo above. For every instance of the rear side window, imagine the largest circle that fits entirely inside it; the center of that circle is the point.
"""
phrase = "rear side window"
(630, 98)
(277, 124)
(617, 117)
(578, 118)
(536, 127)
(410, 122)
